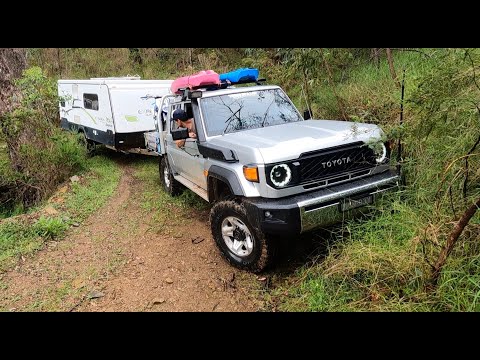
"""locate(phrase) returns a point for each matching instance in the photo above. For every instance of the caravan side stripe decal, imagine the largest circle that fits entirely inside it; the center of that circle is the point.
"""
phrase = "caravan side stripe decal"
(80, 108)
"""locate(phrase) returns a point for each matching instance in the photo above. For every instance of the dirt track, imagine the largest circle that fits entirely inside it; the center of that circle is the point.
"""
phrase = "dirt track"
(114, 261)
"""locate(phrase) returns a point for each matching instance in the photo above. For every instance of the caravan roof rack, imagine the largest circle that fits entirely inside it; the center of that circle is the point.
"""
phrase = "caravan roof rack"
(195, 93)
(135, 77)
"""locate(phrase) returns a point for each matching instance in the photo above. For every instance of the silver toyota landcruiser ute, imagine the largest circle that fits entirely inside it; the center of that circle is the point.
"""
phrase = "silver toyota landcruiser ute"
(268, 172)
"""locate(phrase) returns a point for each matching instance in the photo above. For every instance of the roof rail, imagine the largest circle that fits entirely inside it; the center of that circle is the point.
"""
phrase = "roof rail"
(227, 83)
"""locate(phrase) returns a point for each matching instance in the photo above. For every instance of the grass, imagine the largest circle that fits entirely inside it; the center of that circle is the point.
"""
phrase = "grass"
(381, 264)
(368, 92)
(459, 289)
(100, 183)
(166, 209)
(23, 235)
(371, 264)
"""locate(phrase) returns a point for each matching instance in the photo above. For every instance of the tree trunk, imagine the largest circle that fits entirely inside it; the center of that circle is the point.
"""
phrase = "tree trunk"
(452, 240)
(59, 62)
(392, 68)
(307, 93)
(12, 63)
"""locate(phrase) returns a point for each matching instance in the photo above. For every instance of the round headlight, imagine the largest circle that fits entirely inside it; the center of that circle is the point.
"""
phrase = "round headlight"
(280, 175)
(381, 153)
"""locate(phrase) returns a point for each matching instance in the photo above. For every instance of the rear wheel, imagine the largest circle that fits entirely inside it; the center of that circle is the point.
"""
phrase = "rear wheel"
(171, 186)
(239, 242)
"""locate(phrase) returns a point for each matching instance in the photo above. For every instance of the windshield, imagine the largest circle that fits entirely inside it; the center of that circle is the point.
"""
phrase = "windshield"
(247, 110)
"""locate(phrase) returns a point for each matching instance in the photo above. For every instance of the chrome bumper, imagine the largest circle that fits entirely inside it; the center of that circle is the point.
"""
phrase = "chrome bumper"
(326, 209)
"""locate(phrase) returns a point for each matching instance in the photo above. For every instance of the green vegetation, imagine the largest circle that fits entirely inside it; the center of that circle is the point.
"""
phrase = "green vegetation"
(24, 234)
(176, 211)
(7, 175)
(97, 186)
(41, 154)
(380, 266)
(4, 162)
(383, 262)
(20, 237)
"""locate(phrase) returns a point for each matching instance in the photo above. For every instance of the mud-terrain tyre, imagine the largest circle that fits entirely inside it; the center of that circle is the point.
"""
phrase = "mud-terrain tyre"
(239, 242)
(171, 186)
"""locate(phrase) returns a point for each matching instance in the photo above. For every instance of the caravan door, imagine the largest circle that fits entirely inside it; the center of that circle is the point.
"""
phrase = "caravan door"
(132, 113)
(133, 107)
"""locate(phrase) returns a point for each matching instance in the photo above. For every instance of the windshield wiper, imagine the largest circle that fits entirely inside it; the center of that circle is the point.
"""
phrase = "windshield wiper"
(233, 116)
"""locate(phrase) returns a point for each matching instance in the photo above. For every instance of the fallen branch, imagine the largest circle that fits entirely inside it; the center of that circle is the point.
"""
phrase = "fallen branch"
(467, 54)
(452, 240)
(74, 307)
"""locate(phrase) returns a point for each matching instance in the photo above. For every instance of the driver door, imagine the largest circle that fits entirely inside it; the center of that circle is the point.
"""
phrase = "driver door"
(186, 162)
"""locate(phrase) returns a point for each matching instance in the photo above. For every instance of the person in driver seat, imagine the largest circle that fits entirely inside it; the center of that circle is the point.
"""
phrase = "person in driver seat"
(183, 121)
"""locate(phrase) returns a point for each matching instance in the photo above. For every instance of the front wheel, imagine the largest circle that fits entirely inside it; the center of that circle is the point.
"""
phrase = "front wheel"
(171, 186)
(239, 242)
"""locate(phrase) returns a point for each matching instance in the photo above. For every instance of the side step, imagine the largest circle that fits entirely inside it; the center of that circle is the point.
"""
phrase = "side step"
(192, 186)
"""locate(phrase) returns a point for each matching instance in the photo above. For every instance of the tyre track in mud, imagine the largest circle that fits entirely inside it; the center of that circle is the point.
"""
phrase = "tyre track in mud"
(116, 261)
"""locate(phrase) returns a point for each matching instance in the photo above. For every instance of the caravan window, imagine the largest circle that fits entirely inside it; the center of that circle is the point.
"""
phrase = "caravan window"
(90, 101)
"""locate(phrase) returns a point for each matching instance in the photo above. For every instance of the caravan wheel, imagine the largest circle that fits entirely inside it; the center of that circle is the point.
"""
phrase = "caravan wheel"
(90, 145)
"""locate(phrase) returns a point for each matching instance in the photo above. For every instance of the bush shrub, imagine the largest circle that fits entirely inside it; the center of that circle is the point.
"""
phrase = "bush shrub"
(41, 155)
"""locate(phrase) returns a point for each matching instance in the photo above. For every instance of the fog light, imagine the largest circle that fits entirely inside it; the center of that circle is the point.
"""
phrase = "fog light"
(268, 214)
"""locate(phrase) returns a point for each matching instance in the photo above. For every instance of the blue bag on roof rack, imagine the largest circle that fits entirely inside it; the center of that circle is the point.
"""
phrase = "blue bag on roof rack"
(240, 76)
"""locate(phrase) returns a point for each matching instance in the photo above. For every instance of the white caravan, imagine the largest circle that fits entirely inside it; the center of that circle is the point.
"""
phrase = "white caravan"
(116, 112)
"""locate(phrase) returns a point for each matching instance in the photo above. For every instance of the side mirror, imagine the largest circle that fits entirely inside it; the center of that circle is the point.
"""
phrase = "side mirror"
(307, 114)
(180, 134)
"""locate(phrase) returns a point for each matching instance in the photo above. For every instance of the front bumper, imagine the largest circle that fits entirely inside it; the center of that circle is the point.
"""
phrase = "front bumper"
(299, 213)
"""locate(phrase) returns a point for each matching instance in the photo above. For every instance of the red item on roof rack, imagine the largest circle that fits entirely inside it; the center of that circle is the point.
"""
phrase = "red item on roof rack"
(202, 79)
